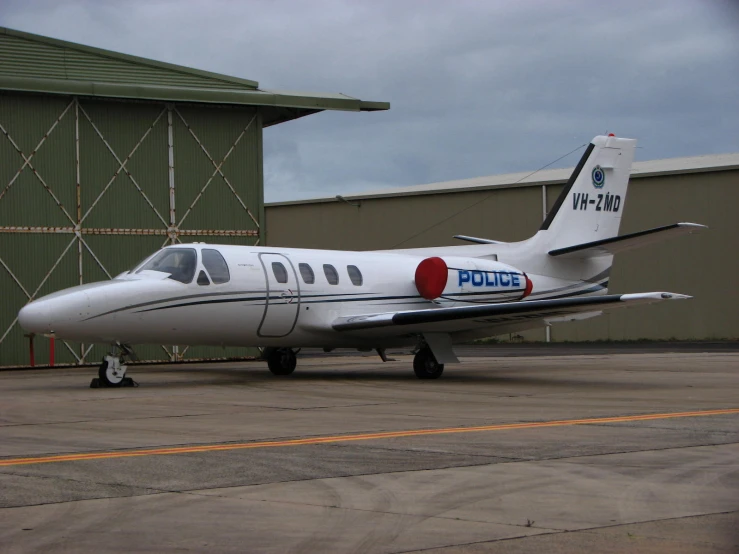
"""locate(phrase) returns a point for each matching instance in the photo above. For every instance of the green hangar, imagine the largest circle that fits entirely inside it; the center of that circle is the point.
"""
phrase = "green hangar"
(699, 189)
(106, 157)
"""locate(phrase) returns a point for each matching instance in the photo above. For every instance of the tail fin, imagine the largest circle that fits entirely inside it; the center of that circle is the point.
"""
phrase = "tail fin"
(579, 236)
(591, 204)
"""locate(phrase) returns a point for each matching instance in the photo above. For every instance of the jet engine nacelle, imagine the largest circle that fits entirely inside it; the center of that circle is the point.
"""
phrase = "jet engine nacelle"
(470, 280)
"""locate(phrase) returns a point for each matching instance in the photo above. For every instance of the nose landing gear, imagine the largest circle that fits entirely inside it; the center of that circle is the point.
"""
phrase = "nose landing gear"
(112, 370)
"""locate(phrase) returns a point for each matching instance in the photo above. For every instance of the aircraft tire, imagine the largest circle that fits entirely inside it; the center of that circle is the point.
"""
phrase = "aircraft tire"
(281, 361)
(109, 378)
(425, 365)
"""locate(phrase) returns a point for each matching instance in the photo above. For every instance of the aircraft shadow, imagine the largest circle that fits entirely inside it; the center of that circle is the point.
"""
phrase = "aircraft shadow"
(493, 377)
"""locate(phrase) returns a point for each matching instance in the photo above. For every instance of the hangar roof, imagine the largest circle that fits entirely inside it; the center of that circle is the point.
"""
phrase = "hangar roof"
(34, 63)
(650, 168)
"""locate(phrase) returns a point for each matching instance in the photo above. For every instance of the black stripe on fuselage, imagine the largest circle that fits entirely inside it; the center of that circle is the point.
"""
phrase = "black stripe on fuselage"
(571, 291)
(375, 300)
(516, 295)
(596, 288)
(369, 299)
(304, 299)
(333, 298)
(484, 293)
(190, 296)
(264, 298)
(171, 299)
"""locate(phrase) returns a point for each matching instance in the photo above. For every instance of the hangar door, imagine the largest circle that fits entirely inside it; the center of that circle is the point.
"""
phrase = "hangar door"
(88, 188)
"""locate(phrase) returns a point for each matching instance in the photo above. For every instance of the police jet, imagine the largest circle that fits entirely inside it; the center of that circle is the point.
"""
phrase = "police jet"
(282, 299)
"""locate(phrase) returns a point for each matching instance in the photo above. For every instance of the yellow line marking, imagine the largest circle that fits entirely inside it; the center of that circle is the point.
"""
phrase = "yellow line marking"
(356, 437)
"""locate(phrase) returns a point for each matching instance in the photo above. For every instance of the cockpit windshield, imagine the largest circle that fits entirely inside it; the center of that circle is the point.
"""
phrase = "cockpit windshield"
(180, 263)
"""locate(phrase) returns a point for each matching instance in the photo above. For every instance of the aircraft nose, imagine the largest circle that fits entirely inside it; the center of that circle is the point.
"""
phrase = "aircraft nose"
(35, 317)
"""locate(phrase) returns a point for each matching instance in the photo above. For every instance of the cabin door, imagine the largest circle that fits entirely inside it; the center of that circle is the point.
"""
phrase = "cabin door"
(282, 303)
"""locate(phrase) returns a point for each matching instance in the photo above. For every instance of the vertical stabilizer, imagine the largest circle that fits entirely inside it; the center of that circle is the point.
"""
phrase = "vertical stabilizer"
(592, 202)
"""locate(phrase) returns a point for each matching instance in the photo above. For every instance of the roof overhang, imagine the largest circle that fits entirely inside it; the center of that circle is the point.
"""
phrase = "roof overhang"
(276, 106)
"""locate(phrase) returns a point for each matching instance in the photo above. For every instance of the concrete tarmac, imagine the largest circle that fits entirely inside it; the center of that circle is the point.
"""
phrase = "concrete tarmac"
(502, 454)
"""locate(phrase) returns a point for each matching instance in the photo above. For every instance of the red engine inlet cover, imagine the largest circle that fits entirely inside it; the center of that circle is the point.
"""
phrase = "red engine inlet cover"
(431, 276)
(529, 287)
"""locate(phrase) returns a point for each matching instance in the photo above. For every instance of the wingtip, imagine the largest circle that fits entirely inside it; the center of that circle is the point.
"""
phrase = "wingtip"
(693, 226)
(653, 296)
(674, 296)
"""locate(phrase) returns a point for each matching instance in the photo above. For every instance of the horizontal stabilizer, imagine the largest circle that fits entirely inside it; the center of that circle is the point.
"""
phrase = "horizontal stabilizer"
(614, 245)
(477, 240)
(489, 315)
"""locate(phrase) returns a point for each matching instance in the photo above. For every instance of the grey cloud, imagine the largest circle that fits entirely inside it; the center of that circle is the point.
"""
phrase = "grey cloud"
(476, 87)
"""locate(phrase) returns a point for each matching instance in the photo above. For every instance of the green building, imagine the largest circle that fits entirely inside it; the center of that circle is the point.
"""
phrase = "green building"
(106, 157)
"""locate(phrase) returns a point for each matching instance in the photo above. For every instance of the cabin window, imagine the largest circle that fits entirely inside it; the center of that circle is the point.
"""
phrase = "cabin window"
(180, 263)
(306, 272)
(355, 275)
(216, 266)
(332, 275)
(280, 272)
(203, 278)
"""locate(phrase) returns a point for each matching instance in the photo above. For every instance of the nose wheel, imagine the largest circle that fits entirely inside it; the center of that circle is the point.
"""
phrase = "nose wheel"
(112, 370)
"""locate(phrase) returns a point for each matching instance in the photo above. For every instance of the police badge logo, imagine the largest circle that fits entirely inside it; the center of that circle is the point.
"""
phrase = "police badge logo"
(599, 177)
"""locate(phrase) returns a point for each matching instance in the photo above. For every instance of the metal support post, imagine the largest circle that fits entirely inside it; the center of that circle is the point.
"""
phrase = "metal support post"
(548, 329)
(170, 153)
(31, 352)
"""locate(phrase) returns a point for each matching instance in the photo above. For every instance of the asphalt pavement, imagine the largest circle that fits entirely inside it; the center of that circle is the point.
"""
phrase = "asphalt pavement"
(525, 452)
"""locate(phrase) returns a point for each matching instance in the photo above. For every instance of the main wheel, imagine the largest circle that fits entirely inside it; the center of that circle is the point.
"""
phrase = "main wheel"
(425, 365)
(111, 373)
(281, 361)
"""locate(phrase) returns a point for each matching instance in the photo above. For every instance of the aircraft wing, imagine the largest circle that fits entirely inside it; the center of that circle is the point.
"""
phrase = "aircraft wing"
(464, 318)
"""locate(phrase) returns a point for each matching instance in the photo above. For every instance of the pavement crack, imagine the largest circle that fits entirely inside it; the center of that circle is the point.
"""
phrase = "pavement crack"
(601, 454)
(308, 408)
(558, 531)
(383, 512)
(100, 420)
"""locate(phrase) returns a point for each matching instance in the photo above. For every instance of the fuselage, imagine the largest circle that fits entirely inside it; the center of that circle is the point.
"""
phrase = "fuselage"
(260, 296)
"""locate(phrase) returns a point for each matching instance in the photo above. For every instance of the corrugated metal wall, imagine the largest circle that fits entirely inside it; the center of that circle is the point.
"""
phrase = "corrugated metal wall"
(702, 265)
(124, 212)
(393, 222)
(51, 59)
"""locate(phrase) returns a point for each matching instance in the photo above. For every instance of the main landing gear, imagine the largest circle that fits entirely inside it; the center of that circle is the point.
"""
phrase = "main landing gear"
(281, 361)
(112, 370)
(425, 365)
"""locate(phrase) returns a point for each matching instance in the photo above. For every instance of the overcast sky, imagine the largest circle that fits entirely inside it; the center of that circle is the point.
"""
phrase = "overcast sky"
(476, 87)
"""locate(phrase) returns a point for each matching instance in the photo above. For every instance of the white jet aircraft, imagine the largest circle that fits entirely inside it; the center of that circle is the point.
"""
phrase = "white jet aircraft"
(428, 298)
